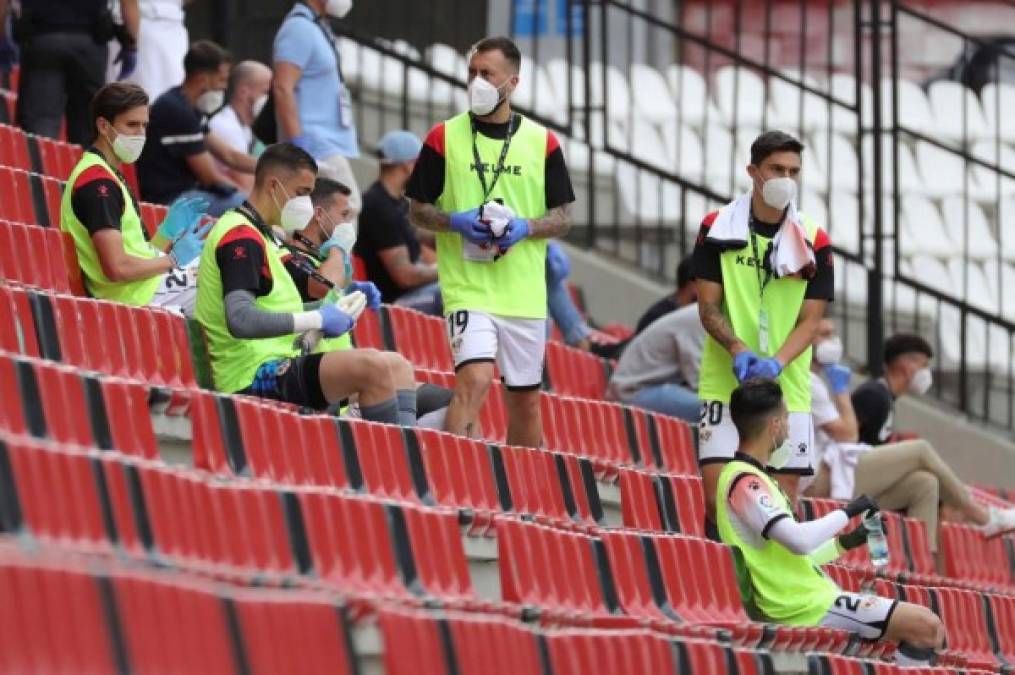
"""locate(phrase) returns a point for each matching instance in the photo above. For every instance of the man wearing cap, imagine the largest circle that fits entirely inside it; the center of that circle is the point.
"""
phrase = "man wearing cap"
(399, 259)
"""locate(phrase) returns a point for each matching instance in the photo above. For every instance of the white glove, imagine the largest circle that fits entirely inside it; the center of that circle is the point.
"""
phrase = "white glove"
(497, 216)
(343, 236)
(353, 304)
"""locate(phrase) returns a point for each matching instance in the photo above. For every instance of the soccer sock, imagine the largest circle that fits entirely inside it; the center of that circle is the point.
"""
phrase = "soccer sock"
(909, 656)
(406, 407)
(385, 411)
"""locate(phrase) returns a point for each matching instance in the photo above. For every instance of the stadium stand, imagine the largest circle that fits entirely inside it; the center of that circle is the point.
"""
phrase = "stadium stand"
(313, 544)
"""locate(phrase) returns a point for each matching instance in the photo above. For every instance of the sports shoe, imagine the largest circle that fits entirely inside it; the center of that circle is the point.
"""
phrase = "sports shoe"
(1001, 521)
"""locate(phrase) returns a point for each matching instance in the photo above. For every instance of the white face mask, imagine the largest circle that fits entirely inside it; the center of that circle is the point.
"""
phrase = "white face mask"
(128, 148)
(921, 382)
(210, 101)
(828, 351)
(296, 212)
(483, 97)
(779, 192)
(258, 105)
(338, 8)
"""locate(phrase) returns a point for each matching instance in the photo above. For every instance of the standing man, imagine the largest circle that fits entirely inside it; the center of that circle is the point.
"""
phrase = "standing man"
(179, 159)
(163, 43)
(101, 214)
(484, 173)
(63, 61)
(247, 91)
(764, 275)
(313, 107)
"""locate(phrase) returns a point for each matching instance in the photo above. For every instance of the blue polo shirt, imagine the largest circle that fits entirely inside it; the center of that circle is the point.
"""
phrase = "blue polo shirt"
(301, 42)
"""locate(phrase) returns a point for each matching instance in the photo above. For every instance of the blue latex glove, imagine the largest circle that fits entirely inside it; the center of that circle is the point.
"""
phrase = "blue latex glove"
(558, 267)
(187, 247)
(183, 215)
(838, 377)
(127, 58)
(766, 369)
(368, 289)
(517, 229)
(742, 364)
(467, 224)
(334, 322)
(302, 141)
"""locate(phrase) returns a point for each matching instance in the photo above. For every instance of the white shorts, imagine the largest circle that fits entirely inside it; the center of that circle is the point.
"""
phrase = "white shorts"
(860, 613)
(718, 438)
(516, 345)
(177, 290)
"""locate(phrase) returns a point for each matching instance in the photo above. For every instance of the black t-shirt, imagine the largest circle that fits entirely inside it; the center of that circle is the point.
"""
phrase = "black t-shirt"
(427, 181)
(97, 198)
(707, 264)
(384, 224)
(660, 308)
(875, 412)
(176, 130)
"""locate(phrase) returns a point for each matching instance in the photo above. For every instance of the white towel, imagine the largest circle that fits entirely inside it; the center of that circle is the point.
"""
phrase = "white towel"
(841, 459)
(791, 252)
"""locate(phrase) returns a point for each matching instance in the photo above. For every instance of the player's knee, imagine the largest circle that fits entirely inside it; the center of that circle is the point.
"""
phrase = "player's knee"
(402, 373)
(373, 367)
(923, 629)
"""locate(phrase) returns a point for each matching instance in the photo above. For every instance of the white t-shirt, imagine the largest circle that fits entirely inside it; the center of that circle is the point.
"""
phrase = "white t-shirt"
(227, 126)
(823, 411)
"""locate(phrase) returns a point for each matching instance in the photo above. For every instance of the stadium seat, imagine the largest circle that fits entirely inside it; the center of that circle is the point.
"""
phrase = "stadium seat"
(969, 556)
(612, 653)
(795, 110)
(653, 102)
(41, 257)
(536, 93)
(958, 115)
(968, 228)
(910, 182)
(962, 612)
(367, 332)
(914, 110)
(922, 231)
(733, 86)
(997, 98)
(420, 338)
(572, 372)
(14, 148)
(662, 503)
(1001, 610)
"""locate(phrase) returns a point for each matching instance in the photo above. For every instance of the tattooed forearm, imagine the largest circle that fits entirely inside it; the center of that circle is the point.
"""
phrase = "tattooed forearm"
(718, 326)
(555, 223)
(428, 217)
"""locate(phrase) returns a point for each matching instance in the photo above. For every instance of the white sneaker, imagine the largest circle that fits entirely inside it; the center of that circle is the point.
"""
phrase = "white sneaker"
(1001, 521)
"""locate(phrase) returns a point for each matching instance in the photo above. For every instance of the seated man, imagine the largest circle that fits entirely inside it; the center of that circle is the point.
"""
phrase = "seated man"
(907, 371)
(178, 159)
(100, 213)
(389, 245)
(778, 557)
(907, 476)
(658, 370)
(254, 316)
(246, 93)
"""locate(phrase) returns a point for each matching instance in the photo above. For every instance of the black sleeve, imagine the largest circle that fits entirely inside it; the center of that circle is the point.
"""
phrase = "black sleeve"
(300, 276)
(240, 263)
(557, 180)
(179, 130)
(98, 204)
(872, 405)
(427, 181)
(706, 261)
(822, 285)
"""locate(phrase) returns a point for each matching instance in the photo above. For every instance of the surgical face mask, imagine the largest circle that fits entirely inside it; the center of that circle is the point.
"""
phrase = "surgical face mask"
(338, 8)
(828, 351)
(258, 105)
(296, 212)
(921, 382)
(210, 101)
(128, 148)
(779, 192)
(483, 96)
(781, 453)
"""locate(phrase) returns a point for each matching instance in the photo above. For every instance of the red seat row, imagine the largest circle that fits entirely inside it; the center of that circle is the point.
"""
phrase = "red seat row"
(572, 372)
(245, 436)
(818, 664)
(41, 257)
(143, 343)
(968, 555)
(662, 503)
(46, 156)
(68, 615)
(29, 198)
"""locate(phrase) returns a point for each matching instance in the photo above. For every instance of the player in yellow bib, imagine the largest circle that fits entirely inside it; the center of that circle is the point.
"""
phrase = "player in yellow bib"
(102, 215)
(764, 274)
(778, 558)
(493, 186)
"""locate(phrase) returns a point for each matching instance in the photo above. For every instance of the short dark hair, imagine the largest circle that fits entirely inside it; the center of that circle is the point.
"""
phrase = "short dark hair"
(685, 272)
(325, 189)
(282, 156)
(906, 343)
(752, 403)
(205, 56)
(506, 46)
(772, 142)
(114, 99)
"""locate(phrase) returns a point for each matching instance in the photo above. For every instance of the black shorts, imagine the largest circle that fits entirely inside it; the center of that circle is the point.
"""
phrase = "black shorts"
(294, 380)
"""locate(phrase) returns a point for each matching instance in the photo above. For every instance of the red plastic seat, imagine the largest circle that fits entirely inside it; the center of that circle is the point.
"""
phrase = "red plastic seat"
(367, 331)
(573, 372)
(575, 652)
(969, 556)
(420, 338)
(962, 613)
(420, 647)
(534, 483)
(37, 256)
(460, 474)
(382, 459)
(14, 148)
(662, 503)
(1002, 609)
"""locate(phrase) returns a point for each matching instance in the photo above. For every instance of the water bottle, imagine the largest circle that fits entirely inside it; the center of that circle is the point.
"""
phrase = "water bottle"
(877, 544)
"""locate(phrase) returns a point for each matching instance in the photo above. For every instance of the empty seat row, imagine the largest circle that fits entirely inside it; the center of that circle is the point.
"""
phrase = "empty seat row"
(143, 343)
(65, 614)
(46, 156)
(248, 437)
(41, 257)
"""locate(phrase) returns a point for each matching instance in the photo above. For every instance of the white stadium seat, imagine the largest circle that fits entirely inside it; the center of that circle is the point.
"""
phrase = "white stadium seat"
(989, 181)
(534, 92)
(909, 177)
(970, 283)
(740, 96)
(843, 88)
(785, 105)
(998, 101)
(921, 231)
(914, 110)
(683, 145)
(647, 145)
(943, 173)
(949, 102)
(688, 89)
(837, 158)
(654, 101)
(959, 215)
